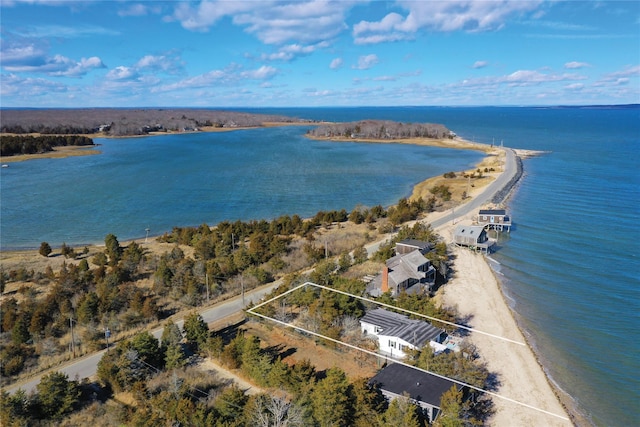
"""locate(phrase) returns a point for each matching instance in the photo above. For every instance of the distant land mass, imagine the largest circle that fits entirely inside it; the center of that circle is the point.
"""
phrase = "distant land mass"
(380, 129)
(128, 122)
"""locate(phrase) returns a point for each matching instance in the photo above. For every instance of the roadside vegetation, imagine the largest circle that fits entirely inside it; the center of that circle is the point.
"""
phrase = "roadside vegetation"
(51, 315)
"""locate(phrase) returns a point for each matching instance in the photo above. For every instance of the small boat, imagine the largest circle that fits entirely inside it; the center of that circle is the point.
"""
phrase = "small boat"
(5, 165)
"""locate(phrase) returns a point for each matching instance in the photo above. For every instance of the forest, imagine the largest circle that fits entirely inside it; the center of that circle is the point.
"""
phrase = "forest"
(380, 129)
(11, 145)
(123, 122)
(127, 290)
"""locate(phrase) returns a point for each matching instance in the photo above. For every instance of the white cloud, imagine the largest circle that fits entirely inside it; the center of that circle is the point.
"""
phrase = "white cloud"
(366, 61)
(292, 51)
(273, 22)
(455, 15)
(480, 64)
(234, 74)
(122, 73)
(574, 65)
(336, 63)
(58, 65)
(139, 9)
(13, 85)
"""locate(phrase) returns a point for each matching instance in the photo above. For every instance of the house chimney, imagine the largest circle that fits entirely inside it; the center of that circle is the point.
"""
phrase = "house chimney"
(385, 279)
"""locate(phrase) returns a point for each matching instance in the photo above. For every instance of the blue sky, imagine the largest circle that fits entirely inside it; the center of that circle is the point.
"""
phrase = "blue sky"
(209, 53)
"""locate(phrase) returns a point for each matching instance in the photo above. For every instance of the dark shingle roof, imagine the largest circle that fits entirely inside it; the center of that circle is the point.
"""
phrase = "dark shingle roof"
(492, 212)
(420, 385)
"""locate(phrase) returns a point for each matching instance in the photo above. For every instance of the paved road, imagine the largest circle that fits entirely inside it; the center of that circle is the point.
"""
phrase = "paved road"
(510, 170)
(86, 366)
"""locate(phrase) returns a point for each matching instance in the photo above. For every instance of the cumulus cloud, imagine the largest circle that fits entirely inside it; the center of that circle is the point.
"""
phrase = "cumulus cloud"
(366, 61)
(292, 51)
(336, 63)
(574, 65)
(272, 22)
(57, 65)
(466, 15)
(480, 64)
(122, 73)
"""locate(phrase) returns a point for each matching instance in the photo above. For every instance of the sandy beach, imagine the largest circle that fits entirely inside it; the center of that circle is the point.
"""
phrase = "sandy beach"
(475, 292)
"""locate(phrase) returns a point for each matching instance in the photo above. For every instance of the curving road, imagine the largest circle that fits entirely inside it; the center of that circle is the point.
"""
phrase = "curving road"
(85, 367)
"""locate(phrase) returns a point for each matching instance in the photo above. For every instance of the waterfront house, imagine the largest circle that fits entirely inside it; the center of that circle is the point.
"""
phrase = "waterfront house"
(406, 272)
(473, 236)
(422, 388)
(497, 219)
(396, 333)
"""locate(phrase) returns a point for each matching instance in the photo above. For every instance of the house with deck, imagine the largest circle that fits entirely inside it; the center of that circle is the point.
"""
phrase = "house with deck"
(411, 273)
(396, 333)
(408, 271)
(422, 388)
(474, 237)
(497, 219)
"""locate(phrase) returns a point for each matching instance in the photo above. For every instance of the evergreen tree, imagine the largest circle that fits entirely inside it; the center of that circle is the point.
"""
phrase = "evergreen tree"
(57, 395)
(451, 409)
(331, 400)
(196, 330)
(45, 249)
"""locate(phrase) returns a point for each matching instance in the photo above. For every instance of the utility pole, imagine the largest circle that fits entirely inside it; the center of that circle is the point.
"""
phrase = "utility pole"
(242, 289)
(73, 343)
(206, 278)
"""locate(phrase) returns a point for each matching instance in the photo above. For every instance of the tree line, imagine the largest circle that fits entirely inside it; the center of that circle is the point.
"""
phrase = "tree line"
(11, 145)
(168, 389)
(380, 129)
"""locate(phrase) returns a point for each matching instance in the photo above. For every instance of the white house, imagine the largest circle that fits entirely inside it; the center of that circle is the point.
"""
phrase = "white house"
(397, 333)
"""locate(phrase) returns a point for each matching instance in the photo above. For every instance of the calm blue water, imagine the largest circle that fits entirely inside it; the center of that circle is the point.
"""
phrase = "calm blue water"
(571, 266)
(164, 181)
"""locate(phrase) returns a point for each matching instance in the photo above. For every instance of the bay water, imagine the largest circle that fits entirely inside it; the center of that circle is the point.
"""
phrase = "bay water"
(570, 267)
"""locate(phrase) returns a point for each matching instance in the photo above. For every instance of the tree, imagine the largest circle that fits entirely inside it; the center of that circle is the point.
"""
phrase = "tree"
(15, 408)
(402, 413)
(112, 249)
(275, 411)
(331, 400)
(196, 330)
(170, 334)
(57, 395)
(174, 356)
(45, 249)
(360, 255)
(451, 409)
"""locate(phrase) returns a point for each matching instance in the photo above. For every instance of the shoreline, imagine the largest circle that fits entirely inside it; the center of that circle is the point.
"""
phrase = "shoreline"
(70, 151)
(505, 415)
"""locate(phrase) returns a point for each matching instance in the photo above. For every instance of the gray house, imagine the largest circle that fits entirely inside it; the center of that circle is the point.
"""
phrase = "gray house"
(409, 272)
(424, 390)
(497, 219)
(473, 236)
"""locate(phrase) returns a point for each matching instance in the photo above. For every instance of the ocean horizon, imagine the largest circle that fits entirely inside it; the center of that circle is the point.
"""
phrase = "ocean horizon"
(569, 267)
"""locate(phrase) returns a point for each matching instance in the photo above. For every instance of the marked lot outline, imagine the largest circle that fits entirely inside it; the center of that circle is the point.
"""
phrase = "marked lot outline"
(298, 328)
